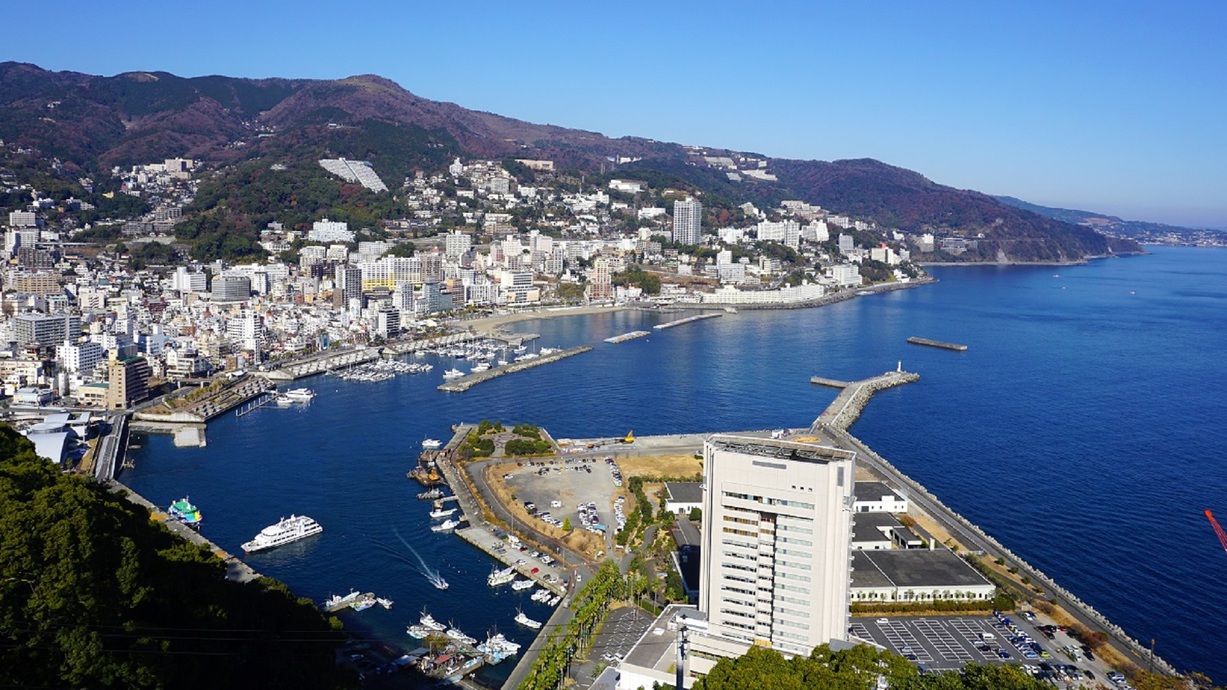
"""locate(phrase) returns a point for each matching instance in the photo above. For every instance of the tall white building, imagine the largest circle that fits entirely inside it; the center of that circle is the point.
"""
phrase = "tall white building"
(330, 231)
(456, 244)
(687, 221)
(777, 525)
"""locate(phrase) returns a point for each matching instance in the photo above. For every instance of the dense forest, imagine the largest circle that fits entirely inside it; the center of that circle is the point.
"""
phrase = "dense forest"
(95, 595)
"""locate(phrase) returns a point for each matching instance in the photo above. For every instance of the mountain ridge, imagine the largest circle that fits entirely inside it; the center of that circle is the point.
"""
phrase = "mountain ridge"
(97, 122)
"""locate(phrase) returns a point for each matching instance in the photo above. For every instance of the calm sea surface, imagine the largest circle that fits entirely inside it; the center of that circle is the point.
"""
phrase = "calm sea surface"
(1083, 428)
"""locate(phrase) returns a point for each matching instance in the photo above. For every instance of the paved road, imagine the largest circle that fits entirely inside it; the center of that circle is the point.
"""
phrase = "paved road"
(972, 540)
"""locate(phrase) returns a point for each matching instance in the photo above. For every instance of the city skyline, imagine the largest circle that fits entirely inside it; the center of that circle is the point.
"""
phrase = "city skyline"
(1109, 112)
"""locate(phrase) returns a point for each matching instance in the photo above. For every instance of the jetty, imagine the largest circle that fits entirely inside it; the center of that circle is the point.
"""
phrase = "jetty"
(466, 382)
(937, 343)
(847, 407)
(626, 336)
(683, 322)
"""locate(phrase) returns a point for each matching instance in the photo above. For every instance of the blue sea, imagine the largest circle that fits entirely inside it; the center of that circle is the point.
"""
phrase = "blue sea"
(1083, 428)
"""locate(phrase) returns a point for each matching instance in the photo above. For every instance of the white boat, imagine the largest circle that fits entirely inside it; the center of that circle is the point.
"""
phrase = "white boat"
(480, 366)
(337, 601)
(286, 531)
(444, 526)
(521, 585)
(418, 631)
(439, 582)
(527, 622)
(428, 621)
(300, 394)
(498, 648)
(453, 373)
(540, 595)
(501, 577)
(441, 513)
(457, 635)
(554, 601)
(432, 444)
(386, 603)
(283, 401)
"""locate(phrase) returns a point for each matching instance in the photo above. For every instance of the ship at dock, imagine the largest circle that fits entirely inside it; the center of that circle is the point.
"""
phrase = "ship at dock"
(185, 512)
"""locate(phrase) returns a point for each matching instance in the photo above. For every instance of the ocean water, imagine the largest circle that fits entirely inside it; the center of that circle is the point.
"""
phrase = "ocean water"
(1083, 428)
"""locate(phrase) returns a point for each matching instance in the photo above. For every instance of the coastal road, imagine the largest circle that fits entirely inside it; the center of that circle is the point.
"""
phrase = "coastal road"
(973, 541)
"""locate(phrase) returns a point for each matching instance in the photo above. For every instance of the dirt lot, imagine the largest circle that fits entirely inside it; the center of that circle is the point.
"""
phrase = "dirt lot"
(570, 481)
(673, 465)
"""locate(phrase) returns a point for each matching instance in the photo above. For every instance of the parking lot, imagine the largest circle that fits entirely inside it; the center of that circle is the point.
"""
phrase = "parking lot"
(946, 643)
(558, 487)
(621, 631)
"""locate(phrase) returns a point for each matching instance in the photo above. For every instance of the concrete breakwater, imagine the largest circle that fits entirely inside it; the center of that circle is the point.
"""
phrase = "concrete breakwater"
(846, 408)
(937, 343)
(682, 322)
(614, 340)
(973, 537)
(466, 382)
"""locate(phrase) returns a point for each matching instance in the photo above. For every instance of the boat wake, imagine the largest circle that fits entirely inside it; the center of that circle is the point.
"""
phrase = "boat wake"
(432, 575)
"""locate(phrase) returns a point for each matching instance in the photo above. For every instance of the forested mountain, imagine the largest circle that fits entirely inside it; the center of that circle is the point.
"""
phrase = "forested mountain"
(92, 123)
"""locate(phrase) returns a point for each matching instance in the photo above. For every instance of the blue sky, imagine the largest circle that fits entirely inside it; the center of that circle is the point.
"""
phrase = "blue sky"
(1118, 107)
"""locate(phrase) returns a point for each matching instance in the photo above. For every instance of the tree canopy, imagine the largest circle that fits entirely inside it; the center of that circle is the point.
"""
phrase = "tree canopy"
(93, 594)
(853, 669)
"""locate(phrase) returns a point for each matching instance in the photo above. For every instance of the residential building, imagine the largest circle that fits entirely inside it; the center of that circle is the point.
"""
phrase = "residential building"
(330, 231)
(777, 524)
(687, 221)
(45, 329)
(128, 381)
(231, 288)
(79, 358)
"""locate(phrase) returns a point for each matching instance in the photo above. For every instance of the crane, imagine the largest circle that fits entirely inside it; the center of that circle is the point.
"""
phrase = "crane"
(1222, 537)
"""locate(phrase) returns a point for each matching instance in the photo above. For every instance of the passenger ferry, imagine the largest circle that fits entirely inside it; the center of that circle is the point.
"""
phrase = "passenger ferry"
(300, 394)
(286, 531)
(183, 511)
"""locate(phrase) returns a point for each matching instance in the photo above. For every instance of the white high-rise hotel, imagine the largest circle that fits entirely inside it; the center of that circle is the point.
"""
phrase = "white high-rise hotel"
(777, 522)
(687, 221)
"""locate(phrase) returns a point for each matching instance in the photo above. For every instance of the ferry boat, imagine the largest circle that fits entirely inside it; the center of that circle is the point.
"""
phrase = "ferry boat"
(444, 526)
(300, 394)
(527, 622)
(184, 511)
(442, 513)
(431, 444)
(286, 531)
(501, 577)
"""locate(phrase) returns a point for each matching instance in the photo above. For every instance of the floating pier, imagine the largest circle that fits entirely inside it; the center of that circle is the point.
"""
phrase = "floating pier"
(682, 322)
(626, 336)
(466, 382)
(937, 343)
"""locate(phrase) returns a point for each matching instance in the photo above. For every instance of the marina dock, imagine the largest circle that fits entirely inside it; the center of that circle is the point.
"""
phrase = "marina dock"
(626, 336)
(466, 382)
(682, 322)
(937, 343)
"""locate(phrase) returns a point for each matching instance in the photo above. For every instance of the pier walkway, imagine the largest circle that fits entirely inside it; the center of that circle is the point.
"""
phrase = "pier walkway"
(319, 362)
(466, 382)
(682, 322)
(236, 570)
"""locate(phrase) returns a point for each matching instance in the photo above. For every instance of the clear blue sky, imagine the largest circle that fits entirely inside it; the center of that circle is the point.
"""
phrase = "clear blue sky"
(1118, 107)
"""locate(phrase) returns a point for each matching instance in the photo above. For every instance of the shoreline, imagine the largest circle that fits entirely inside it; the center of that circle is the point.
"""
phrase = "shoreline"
(490, 324)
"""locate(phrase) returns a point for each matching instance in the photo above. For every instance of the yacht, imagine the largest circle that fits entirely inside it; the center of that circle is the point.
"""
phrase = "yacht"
(428, 621)
(498, 648)
(453, 373)
(431, 444)
(300, 394)
(441, 513)
(501, 577)
(480, 367)
(521, 585)
(286, 531)
(444, 526)
(527, 622)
